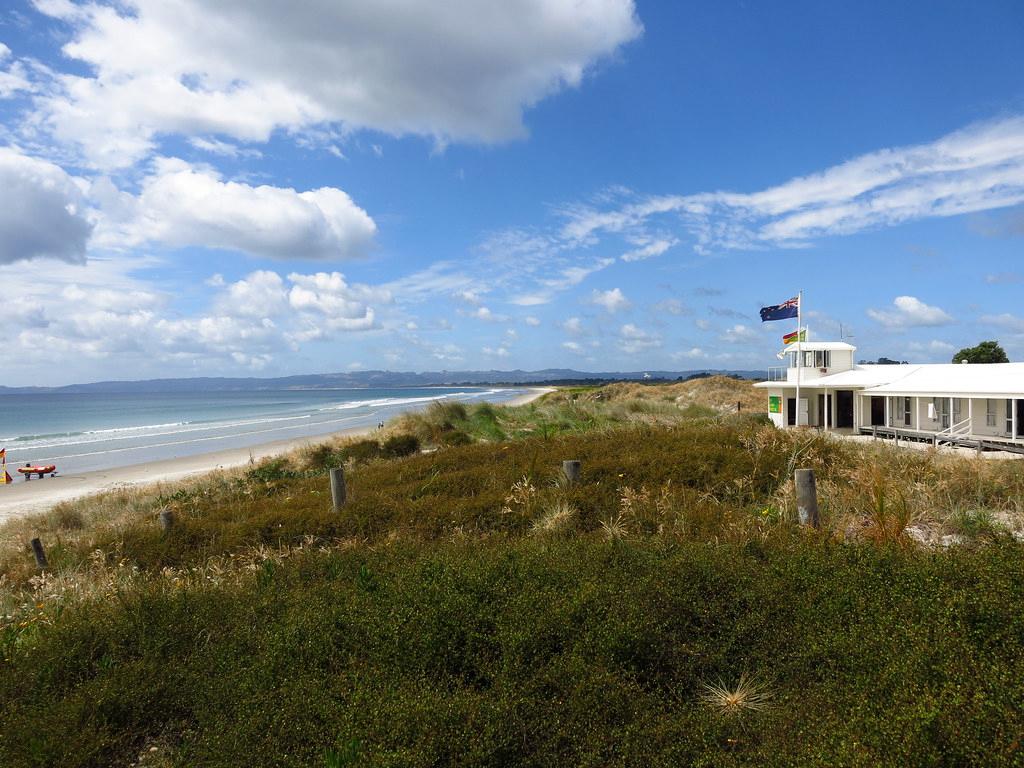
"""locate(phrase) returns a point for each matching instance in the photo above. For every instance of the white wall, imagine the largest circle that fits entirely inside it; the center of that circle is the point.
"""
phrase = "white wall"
(979, 423)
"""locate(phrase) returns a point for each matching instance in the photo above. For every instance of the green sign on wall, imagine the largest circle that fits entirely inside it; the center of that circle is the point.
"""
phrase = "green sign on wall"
(774, 404)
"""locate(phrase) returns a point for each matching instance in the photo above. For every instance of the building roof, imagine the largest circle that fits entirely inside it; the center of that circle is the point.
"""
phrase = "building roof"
(819, 346)
(858, 377)
(952, 380)
(996, 380)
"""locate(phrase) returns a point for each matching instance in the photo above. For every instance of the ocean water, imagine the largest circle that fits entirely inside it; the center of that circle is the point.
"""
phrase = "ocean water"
(83, 432)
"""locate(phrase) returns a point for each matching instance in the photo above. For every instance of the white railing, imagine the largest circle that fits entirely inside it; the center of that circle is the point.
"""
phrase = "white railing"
(777, 373)
(960, 428)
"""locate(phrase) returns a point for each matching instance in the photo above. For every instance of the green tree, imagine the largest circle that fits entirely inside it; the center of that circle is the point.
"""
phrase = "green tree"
(985, 352)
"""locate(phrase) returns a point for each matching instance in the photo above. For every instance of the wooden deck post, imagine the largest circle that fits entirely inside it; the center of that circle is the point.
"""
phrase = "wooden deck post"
(40, 554)
(338, 491)
(571, 470)
(807, 498)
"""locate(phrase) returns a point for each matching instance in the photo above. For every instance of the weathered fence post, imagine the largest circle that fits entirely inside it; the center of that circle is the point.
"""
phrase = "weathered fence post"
(166, 520)
(807, 498)
(571, 471)
(338, 488)
(40, 553)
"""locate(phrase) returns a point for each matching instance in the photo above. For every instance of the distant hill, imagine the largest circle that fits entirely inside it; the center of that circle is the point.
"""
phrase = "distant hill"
(380, 379)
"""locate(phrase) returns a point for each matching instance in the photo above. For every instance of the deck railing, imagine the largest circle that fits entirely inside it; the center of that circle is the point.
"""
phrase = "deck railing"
(959, 429)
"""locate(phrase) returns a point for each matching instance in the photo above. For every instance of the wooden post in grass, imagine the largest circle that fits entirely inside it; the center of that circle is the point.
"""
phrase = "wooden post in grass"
(40, 553)
(807, 498)
(338, 488)
(166, 520)
(571, 470)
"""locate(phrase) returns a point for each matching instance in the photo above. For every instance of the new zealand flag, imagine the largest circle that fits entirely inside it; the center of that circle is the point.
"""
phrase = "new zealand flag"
(781, 311)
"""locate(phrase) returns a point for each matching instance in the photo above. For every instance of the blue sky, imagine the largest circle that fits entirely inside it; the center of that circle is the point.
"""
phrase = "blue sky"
(262, 189)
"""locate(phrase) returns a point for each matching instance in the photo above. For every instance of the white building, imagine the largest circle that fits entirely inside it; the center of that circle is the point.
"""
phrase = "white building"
(980, 405)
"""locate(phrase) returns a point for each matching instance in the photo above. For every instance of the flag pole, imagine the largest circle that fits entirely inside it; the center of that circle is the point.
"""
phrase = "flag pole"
(800, 349)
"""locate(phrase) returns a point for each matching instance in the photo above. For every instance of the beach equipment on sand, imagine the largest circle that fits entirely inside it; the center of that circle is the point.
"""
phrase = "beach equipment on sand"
(40, 469)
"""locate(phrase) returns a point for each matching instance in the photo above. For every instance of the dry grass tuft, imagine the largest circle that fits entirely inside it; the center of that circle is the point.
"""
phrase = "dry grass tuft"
(558, 517)
(749, 693)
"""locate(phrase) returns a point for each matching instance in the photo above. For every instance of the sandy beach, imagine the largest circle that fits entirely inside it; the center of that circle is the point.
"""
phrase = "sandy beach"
(26, 497)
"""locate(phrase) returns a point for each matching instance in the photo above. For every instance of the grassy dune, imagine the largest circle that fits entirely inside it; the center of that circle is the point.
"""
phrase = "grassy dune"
(468, 606)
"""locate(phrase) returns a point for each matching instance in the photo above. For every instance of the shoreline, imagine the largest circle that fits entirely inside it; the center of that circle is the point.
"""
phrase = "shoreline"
(23, 498)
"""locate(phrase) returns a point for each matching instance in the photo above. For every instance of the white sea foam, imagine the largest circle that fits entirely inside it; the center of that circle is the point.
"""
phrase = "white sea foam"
(390, 402)
(134, 433)
(85, 450)
(135, 429)
(232, 435)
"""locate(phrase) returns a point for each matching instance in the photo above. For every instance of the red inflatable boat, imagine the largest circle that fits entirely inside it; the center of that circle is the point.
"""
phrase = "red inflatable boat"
(29, 470)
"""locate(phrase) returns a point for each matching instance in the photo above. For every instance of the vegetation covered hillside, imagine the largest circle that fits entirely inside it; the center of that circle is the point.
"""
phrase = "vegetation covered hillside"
(470, 606)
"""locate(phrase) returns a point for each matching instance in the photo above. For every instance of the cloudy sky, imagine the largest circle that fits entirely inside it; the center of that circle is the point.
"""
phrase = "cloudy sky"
(253, 187)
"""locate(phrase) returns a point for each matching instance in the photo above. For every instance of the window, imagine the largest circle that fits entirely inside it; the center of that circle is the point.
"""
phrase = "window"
(1009, 417)
(821, 358)
(990, 413)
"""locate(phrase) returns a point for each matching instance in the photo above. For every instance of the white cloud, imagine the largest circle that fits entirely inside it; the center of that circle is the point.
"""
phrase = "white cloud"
(693, 353)
(484, 314)
(82, 316)
(223, 148)
(531, 321)
(1005, 320)
(261, 294)
(180, 205)
(703, 324)
(633, 339)
(612, 300)
(671, 307)
(573, 325)
(740, 334)
(563, 279)
(909, 312)
(14, 77)
(495, 352)
(649, 249)
(1004, 278)
(975, 169)
(458, 70)
(572, 346)
(41, 211)
(334, 303)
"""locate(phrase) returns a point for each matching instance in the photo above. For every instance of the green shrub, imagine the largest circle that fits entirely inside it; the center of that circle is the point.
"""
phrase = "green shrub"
(401, 445)
(360, 451)
(535, 652)
(455, 437)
